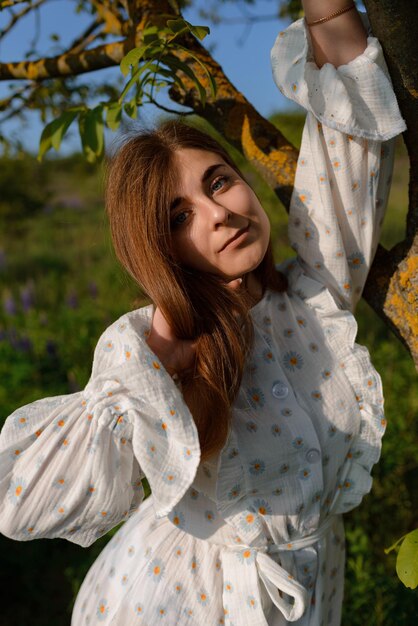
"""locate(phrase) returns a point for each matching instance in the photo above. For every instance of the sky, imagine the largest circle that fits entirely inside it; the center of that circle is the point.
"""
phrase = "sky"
(242, 51)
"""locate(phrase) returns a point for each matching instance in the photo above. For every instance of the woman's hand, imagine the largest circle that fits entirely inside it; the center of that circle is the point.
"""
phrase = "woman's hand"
(177, 355)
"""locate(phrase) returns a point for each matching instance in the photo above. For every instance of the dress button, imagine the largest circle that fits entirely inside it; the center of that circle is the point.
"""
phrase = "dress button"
(313, 455)
(279, 389)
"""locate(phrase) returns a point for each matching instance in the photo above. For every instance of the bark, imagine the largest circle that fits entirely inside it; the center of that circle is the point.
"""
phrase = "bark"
(392, 286)
(67, 64)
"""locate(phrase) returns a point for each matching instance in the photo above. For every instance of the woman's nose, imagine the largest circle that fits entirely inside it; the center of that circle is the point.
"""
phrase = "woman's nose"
(217, 214)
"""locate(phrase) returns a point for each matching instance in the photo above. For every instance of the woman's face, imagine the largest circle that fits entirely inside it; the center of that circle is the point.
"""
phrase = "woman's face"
(217, 222)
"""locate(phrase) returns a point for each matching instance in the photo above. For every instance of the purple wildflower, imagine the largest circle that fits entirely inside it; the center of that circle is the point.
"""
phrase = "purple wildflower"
(72, 300)
(9, 305)
(51, 347)
(93, 291)
(72, 202)
(24, 344)
(26, 297)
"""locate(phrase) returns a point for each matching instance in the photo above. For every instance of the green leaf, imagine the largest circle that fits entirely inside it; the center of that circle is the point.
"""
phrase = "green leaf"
(54, 132)
(152, 34)
(212, 83)
(91, 133)
(146, 68)
(407, 561)
(114, 115)
(132, 58)
(203, 66)
(131, 108)
(200, 32)
(172, 61)
(129, 84)
(177, 26)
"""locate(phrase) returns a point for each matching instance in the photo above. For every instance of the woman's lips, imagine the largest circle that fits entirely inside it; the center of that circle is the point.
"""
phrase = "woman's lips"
(239, 236)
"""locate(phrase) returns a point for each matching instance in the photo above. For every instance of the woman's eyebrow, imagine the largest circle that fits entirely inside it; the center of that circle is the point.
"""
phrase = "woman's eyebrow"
(207, 173)
(210, 170)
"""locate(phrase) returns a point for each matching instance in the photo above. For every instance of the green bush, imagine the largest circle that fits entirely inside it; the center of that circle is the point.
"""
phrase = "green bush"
(22, 184)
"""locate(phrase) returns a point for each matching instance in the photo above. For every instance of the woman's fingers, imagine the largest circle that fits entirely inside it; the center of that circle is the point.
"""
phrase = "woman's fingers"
(175, 354)
(235, 284)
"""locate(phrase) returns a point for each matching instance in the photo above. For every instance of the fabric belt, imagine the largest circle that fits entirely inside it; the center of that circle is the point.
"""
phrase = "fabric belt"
(274, 577)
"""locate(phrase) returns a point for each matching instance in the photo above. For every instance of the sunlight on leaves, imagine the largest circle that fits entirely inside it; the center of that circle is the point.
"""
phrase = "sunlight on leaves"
(149, 68)
(54, 132)
(407, 561)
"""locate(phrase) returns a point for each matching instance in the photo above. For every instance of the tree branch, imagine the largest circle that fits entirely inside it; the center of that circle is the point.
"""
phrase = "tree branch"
(4, 4)
(17, 16)
(13, 112)
(106, 55)
(6, 102)
(67, 64)
(391, 288)
(109, 16)
(167, 109)
(83, 40)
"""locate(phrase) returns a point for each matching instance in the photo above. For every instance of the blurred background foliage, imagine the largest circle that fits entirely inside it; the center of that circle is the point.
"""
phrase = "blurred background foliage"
(60, 287)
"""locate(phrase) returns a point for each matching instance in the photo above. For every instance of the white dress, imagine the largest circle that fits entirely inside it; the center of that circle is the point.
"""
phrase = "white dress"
(255, 536)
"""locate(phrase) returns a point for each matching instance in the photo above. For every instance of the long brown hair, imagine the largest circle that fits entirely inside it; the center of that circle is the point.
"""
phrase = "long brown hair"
(141, 181)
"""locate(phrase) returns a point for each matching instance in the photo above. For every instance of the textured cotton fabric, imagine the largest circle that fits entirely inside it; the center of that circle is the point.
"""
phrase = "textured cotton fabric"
(254, 536)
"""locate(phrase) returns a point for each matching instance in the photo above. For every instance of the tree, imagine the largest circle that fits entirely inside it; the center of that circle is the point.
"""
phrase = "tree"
(158, 49)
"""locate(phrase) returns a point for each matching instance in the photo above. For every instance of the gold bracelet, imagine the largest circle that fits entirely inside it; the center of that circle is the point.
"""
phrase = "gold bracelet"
(330, 17)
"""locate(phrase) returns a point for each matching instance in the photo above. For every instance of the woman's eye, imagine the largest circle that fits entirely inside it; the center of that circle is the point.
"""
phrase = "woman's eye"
(218, 183)
(179, 219)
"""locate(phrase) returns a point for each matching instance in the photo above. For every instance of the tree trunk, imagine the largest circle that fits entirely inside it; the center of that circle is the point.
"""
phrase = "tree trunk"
(392, 286)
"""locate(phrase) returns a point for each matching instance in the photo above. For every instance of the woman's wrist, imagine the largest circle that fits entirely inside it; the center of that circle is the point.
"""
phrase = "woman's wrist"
(332, 16)
(339, 40)
(317, 9)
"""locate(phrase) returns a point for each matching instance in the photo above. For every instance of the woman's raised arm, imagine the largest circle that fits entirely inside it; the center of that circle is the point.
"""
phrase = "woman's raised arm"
(345, 163)
(338, 40)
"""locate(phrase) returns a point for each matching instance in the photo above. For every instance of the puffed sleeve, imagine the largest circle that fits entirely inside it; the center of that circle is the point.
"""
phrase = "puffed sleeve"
(71, 466)
(346, 159)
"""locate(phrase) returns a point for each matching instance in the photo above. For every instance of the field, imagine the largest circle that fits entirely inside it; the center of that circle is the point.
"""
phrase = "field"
(61, 287)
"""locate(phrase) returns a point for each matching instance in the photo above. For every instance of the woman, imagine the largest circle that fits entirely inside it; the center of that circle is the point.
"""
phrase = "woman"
(244, 525)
